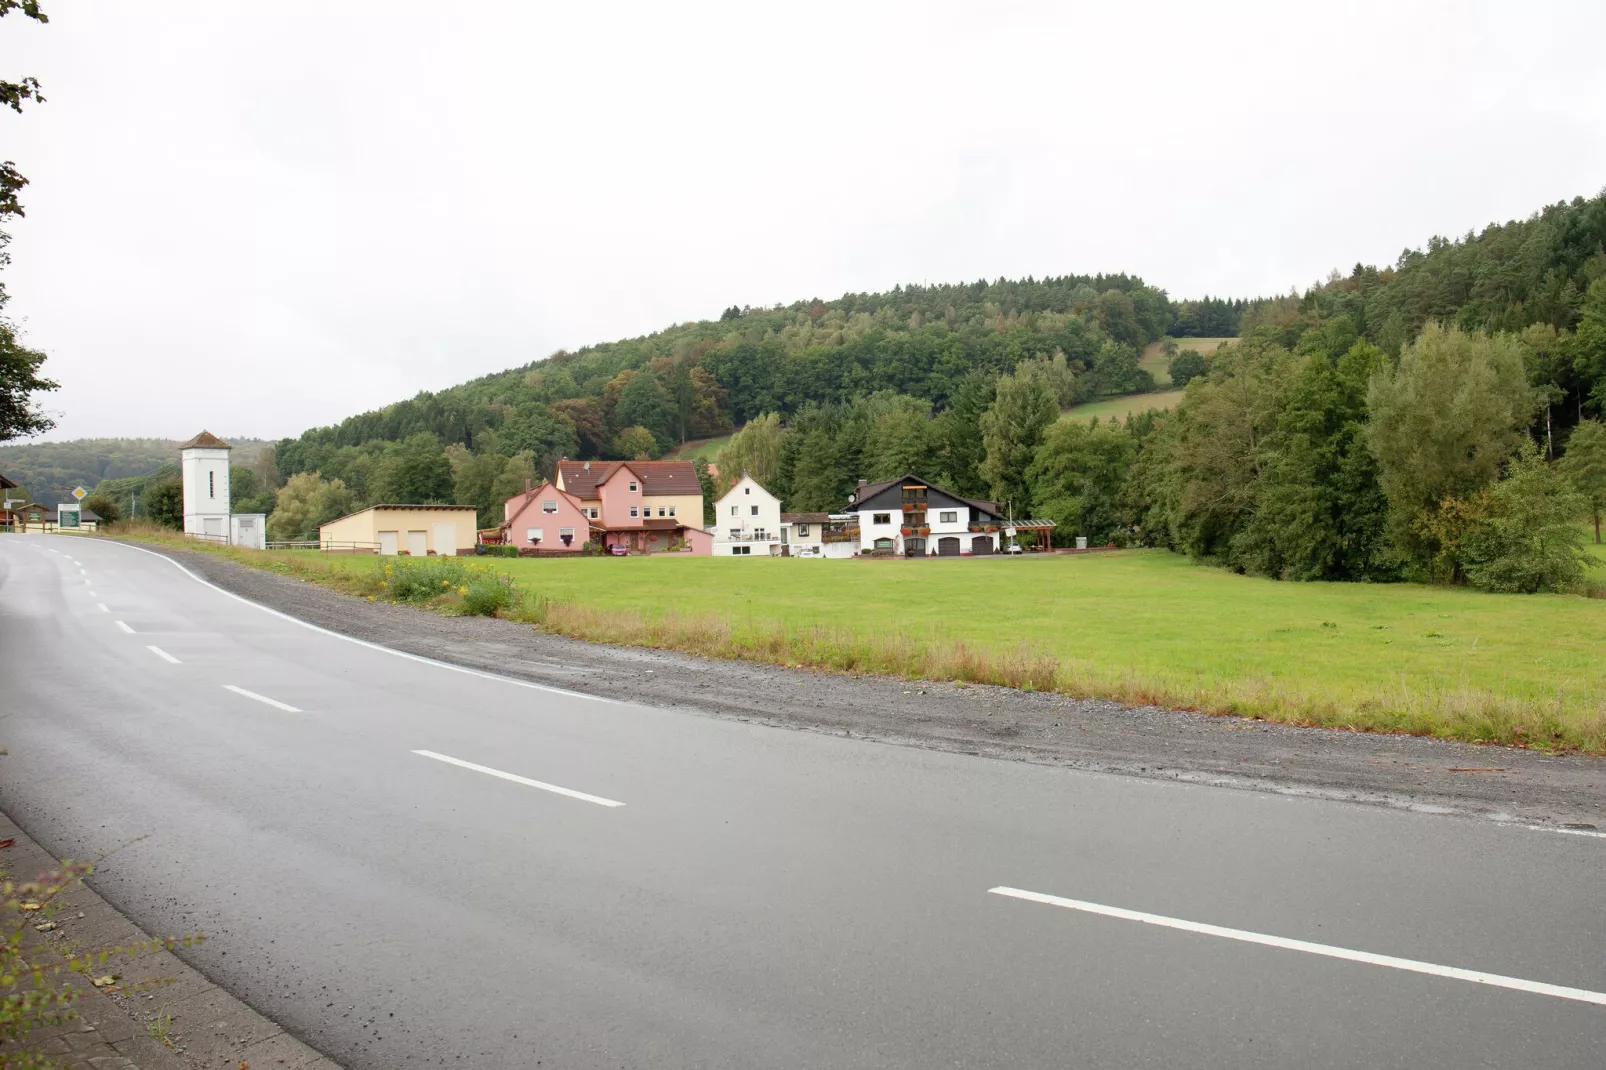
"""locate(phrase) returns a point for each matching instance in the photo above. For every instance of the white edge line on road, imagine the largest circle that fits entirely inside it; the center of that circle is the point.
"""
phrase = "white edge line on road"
(102, 606)
(124, 627)
(372, 646)
(526, 781)
(164, 655)
(275, 703)
(1453, 972)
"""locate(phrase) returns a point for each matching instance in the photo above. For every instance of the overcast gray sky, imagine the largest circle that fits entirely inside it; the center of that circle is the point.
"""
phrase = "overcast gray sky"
(259, 218)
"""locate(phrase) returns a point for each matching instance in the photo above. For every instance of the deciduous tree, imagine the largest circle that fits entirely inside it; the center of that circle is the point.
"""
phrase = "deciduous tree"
(1011, 429)
(1443, 423)
(1585, 465)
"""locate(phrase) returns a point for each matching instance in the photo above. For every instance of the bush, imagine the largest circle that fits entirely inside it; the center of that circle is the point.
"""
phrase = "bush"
(1530, 541)
(438, 581)
(1185, 367)
(497, 551)
(487, 595)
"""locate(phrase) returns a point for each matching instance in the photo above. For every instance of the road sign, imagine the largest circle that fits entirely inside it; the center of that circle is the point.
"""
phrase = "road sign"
(79, 493)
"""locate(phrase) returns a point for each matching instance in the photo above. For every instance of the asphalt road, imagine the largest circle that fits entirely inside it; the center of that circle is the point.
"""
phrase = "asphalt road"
(760, 897)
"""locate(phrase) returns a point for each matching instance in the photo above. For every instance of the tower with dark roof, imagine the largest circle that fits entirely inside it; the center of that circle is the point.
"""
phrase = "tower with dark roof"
(204, 464)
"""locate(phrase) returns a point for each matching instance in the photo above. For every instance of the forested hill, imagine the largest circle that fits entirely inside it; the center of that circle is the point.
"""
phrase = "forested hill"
(698, 379)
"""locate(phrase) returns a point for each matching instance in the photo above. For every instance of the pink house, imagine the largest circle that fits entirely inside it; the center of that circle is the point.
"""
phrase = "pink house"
(639, 506)
(547, 519)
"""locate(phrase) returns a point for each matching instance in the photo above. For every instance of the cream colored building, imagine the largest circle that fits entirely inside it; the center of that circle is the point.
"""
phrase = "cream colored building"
(418, 530)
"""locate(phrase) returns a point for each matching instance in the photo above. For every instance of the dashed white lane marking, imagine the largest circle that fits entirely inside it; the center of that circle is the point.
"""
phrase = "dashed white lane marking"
(526, 781)
(373, 646)
(164, 655)
(124, 627)
(1477, 977)
(102, 606)
(275, 703)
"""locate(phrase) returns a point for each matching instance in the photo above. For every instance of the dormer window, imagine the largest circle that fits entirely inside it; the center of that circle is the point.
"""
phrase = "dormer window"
(632, 486)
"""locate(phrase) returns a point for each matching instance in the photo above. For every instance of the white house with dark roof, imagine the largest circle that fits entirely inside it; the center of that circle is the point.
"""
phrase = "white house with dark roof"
(910, 517)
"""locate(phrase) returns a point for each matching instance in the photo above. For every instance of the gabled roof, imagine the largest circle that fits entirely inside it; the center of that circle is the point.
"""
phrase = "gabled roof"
(525, 497)
(582, 478)
(860, 495)
(6, 484)
(206, 440)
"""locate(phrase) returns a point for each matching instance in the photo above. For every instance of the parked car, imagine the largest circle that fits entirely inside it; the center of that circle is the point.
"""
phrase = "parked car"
(1013, 548)
(619, 551)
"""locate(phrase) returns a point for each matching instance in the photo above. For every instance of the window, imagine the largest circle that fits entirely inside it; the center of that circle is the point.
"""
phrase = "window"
(733, 510)
(632, 486)
(566, 536)
(662, 511)
(549, 507)
(951, 516)
(747, 490)
(741, 551)
(593, 512)
(671, 510)
(211, 484)
(881, 518)
(532, 535)
(755, 510)
(803, 530)
(635, 510)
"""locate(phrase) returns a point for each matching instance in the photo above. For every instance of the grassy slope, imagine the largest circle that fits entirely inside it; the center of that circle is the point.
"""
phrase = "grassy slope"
(707, 448)
(1139, 626)
(1119, 407)
(1156, 364)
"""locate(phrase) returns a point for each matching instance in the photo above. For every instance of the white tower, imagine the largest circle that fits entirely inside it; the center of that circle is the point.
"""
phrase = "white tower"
(204, 463)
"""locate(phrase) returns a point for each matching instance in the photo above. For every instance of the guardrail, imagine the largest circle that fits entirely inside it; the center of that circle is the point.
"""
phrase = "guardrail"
(203, 536)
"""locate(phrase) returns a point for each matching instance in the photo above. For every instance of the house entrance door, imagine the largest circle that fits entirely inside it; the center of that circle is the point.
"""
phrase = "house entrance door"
(914, 547)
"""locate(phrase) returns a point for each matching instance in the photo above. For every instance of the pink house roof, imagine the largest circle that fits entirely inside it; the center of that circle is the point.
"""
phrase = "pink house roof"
(657, 477)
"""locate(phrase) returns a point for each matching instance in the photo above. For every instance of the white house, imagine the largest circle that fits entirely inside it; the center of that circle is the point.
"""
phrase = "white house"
(747, 520)
(204, 466)
(912, 518)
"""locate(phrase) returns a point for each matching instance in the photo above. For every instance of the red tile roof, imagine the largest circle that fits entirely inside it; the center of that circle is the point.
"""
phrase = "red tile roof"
(206, 440)
(581, 478)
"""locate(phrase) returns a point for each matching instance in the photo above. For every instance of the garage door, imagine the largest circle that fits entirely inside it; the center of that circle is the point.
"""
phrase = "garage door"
(948, 547)
(444, 537)
(418, 543)
(387, 543)
(981, 544)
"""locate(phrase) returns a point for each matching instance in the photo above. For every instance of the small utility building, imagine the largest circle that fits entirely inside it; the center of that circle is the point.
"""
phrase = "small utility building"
(417, 530)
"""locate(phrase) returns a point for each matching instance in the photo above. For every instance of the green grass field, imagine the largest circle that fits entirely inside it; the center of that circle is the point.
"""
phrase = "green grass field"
(1157, 362)
(1136, 626)
(706, 448)
(1119, 407)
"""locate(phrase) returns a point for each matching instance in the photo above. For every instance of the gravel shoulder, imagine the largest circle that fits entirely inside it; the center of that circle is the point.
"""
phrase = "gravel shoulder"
(1400, 771)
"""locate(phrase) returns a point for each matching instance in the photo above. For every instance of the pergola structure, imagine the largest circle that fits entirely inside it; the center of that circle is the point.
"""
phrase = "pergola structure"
(1040, 532)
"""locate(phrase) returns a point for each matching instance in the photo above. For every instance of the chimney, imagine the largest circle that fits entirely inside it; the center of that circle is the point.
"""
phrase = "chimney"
(529, 485)
(864, 482)
(588, 466)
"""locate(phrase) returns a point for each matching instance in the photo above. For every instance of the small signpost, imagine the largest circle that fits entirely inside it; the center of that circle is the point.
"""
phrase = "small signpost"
(67, 517)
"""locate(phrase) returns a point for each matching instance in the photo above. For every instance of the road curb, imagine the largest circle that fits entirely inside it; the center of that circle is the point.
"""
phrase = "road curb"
(209, 1028)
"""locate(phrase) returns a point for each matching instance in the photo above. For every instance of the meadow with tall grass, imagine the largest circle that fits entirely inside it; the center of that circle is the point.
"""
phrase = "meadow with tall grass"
(1138, 626)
